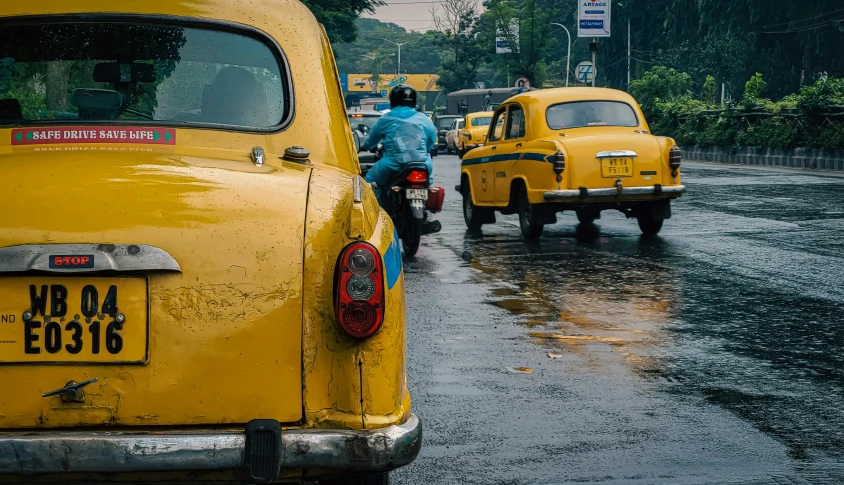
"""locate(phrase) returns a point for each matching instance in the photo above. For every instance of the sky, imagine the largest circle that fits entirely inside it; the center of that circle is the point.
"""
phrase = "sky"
(410, 14)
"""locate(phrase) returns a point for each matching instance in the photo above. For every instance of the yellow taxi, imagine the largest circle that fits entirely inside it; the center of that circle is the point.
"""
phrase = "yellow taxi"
(570, 149)
(473, 133)
(195, 282)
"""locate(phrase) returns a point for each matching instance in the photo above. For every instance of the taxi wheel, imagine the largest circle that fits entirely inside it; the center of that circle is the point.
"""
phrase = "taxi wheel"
(648, 225)
(472, 214)
(373, 479)
(528, 221)
(587, 217)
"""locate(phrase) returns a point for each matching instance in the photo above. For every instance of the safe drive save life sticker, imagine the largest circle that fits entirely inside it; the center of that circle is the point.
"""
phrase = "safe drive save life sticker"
(94, 134)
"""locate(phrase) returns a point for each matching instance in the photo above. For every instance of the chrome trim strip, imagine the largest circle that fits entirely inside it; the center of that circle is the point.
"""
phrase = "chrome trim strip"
(122, 258)
(357, 188)
(569, 195)
(55, 452)
(617, 154)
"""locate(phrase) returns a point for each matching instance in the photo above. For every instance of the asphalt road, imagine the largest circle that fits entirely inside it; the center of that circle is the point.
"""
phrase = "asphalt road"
(713, 354)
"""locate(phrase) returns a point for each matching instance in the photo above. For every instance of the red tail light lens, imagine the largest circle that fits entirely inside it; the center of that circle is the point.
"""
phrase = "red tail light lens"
(359, 290)
(417, 176)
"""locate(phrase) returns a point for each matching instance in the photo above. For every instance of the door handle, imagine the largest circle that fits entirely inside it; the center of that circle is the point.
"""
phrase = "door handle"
(518, 145)
(494, 148)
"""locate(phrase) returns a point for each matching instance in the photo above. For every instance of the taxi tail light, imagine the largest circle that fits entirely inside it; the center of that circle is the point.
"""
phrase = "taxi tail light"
(559, 165)
(359, 290)
(417, 177)
(675, 158)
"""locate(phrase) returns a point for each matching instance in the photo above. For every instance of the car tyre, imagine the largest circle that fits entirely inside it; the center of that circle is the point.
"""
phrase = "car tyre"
(648, 225)
(528, 221)
(587, 217)
(370, 479)
(472, 214)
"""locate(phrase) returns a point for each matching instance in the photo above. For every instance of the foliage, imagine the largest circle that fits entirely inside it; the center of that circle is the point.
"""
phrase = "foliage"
(371, 54)
(463, 51)
(754, 87)
(707, 94)
(808, 118)
(658, 85)
(339, 17)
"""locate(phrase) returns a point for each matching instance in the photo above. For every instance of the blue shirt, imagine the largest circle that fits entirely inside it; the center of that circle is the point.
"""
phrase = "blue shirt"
(407, 135)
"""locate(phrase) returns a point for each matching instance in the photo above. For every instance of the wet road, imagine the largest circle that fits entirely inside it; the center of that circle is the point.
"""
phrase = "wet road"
(712, 354)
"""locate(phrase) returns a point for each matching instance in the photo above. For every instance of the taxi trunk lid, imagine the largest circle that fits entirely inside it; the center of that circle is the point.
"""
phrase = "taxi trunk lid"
(586, 168)
(213, 340)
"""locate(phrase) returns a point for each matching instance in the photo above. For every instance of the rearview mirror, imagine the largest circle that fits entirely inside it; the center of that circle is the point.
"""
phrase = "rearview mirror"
(124, 72)
(357, 141)
(363, 128)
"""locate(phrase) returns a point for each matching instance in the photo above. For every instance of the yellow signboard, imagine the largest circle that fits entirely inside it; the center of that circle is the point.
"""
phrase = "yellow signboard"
(363, 82)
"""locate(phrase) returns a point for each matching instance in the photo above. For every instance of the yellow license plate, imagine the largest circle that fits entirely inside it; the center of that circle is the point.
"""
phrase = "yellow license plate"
(73, 320)
(617, 167)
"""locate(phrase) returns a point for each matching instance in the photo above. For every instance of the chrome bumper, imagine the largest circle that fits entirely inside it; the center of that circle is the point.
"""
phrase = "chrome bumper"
(376, 450)
(573, 195)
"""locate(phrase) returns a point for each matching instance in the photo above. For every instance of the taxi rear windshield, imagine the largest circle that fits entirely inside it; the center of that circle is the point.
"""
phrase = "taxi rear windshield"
(482, 121)
(582, 114)
(114, 71)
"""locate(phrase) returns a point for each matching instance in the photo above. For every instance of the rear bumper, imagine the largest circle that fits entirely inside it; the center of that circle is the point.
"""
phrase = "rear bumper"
(659, 191)
(40, 453)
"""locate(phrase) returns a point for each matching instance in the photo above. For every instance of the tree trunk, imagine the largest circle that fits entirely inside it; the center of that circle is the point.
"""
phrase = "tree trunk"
(56, 84)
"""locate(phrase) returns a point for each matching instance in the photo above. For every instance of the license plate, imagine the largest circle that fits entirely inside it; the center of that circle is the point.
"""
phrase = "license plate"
(73, 320)
(617, 167)
(417, 194)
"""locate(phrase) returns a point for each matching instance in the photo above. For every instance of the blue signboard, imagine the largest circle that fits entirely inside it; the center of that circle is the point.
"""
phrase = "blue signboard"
(591, 24)
(344, 82)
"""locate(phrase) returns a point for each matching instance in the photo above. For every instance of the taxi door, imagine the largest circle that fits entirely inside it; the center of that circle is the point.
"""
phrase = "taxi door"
(481, 164)
(511, 146)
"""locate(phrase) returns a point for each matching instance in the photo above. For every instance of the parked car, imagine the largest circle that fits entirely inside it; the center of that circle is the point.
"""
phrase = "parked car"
(362, 122)
(210, 291)
(442, 124)
(474, 131)
(581, 149)
(452, 134)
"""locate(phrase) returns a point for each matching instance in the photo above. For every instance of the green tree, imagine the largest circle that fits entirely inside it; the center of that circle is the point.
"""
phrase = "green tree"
(657, 85)
(754, 87)
(463, 48)
(339, 17)
(707, 94)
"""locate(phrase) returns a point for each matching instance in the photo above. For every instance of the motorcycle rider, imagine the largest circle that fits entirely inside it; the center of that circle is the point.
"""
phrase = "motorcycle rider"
(407, 136)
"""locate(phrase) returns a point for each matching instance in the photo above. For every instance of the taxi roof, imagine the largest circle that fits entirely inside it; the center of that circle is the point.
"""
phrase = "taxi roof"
(563, 95)
(478, 114)
(261, 14)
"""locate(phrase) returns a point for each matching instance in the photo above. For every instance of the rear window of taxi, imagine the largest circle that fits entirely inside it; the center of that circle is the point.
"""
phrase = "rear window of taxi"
(120, 69)
(581, 114)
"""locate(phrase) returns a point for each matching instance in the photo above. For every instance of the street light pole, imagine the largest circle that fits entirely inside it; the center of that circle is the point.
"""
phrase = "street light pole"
(399, 44)
(568, 57)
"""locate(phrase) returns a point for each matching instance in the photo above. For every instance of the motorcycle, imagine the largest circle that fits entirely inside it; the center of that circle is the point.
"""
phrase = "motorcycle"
(409, 200)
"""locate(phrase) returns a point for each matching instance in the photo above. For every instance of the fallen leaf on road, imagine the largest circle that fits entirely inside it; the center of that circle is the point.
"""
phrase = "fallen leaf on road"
(521, 370)
(555, 356)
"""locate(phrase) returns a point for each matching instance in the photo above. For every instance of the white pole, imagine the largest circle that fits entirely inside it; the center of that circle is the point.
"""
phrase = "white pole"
(568, 56)
(628, 55)
(723, 94)
(595, 64)
(399, 67)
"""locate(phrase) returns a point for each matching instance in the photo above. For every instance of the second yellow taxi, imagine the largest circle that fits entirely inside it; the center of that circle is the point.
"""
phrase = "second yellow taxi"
(580, 149)
(473, 133)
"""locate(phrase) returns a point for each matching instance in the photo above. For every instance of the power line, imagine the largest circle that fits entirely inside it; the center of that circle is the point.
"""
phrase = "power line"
(803, 20)
(803, 29)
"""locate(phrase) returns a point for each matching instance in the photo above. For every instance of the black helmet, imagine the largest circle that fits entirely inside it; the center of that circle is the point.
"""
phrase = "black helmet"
(403, 95)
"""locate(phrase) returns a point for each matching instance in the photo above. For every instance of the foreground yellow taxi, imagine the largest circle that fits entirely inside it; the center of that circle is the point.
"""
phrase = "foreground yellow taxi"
(580, 149)
(195, 282)
(473, 133)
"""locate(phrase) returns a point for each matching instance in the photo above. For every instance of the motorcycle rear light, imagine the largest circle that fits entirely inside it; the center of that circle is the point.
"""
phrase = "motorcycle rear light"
(417, 176)
(359, 290)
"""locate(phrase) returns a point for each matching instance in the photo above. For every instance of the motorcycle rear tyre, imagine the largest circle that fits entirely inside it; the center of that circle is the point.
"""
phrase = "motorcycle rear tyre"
(413, 237)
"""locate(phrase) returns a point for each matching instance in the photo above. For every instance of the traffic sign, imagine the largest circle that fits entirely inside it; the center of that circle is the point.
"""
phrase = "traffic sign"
(585, 72)
(523, 82)
(384, 93)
